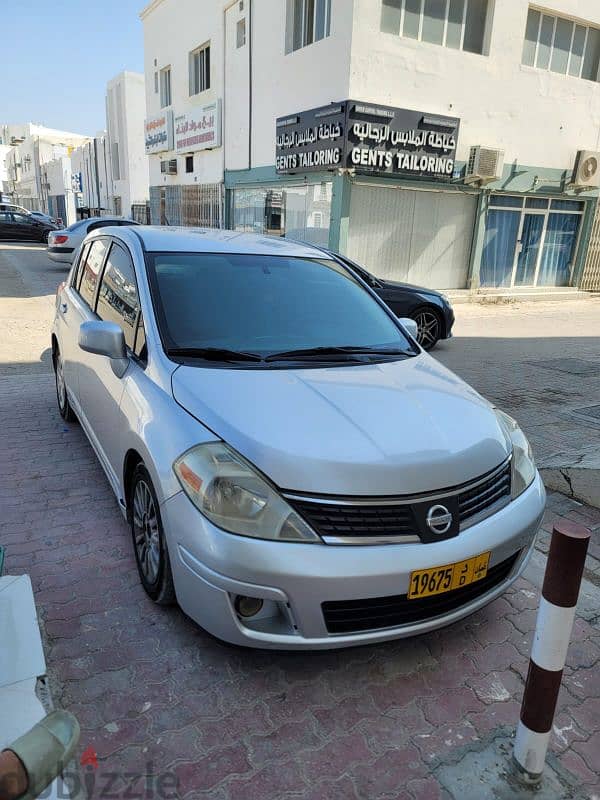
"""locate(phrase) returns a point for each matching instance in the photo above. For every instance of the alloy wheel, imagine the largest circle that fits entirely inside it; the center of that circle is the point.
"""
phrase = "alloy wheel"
(429, 329)
(61, 389)
(146, 532)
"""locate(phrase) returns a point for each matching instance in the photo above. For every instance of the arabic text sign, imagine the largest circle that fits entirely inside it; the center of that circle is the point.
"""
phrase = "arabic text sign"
(312, 140)
(199, 128)
(368, 139)
(400, 141)
(158, 132)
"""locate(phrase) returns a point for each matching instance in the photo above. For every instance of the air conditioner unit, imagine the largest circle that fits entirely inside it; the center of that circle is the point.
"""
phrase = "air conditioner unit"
(484, 165)
(586, 174)
(169, 167)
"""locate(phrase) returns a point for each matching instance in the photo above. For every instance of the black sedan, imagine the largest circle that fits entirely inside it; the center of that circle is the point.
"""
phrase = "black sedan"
(431, 310)
(17, 226)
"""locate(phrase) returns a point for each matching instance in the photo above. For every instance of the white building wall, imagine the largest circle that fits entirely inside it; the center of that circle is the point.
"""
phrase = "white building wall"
(538, 117)
(172, 29)
(125, 112)
(95, 184)
(284, 83)
(57, 174)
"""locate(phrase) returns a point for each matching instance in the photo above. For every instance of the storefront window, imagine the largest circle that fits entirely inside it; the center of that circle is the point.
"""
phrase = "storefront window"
(530, 242)
(298, 212)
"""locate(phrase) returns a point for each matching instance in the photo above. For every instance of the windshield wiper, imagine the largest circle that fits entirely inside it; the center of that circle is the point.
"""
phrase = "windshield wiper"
(336, 351)
(213, 354)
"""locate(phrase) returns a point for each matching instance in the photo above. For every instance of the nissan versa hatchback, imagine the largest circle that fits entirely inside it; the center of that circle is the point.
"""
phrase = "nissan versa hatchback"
(295, 470)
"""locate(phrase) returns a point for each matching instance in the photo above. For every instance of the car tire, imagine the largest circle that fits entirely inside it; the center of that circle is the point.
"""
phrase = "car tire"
(62, 398)
(430, 326)
(149, 541)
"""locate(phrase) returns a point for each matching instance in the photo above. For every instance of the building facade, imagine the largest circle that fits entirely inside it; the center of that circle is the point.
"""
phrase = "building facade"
(125, 112)
(452, 143)
(37, 152)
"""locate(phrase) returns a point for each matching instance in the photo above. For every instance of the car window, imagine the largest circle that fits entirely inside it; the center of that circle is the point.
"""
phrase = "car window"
(140, 349)
(91, 270)
(23, 219)
(102, 223)
(77, 273)
(264, 304)
(5, 216)
(118, 299)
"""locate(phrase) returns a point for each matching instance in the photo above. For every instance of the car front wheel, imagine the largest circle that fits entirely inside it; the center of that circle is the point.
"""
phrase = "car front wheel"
(429, 325)
(149, 543)
(62, 398)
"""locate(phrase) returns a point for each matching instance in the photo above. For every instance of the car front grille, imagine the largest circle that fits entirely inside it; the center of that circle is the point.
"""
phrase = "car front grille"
(356, 520)
(338, 519)
(480, 498)
(375, 613)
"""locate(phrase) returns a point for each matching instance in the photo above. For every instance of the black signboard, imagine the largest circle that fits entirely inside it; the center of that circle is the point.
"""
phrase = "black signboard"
(369, 139)
(312, 140)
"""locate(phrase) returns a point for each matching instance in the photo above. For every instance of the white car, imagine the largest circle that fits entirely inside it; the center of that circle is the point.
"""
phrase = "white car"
(296, 471)
(64, 244)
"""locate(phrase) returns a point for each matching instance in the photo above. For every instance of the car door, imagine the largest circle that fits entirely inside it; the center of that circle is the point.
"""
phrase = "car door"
(100, 389)
(25, 227)
(70, 313)
(6, 225)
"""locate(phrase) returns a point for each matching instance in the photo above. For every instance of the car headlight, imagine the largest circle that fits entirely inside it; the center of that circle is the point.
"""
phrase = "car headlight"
(234, 496)
(523, 464)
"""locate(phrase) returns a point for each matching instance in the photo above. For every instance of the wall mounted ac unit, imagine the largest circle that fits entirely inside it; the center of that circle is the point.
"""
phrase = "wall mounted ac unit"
(586, 174)
(169, 167)
(484, 165)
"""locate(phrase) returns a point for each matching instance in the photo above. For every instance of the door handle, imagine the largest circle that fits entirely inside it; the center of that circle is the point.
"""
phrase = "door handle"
(63, 307)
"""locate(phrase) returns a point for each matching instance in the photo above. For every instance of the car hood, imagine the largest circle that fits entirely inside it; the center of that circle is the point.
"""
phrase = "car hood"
(400, 427)
(385, 284)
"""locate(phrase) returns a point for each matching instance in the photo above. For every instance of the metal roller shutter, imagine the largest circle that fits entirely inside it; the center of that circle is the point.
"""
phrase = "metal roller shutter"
(421, 237)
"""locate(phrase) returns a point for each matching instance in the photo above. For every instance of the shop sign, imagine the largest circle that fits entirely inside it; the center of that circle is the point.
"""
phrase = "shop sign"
(199, 128)
(311, 140)
(158, 132)
(369, 139)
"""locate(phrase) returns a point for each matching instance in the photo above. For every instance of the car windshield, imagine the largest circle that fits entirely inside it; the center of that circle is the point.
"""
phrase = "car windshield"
(270, 306)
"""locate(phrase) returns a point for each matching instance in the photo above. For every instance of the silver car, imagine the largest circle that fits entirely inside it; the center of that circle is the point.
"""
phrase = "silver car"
(295, 470)
(64, 244)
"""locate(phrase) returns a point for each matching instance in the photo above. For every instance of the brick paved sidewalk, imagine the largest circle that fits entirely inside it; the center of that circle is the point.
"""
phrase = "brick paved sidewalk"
(153, 692)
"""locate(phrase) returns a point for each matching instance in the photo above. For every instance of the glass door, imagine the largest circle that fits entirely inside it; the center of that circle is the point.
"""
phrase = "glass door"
(528, 249)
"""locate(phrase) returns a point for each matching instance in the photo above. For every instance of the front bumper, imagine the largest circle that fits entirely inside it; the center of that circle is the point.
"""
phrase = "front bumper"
(210, 567)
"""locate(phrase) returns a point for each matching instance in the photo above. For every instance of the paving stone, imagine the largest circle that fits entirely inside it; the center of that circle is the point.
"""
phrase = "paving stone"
(150, 688)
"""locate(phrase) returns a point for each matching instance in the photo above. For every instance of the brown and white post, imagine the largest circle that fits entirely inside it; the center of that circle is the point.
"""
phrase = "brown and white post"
(556, 615)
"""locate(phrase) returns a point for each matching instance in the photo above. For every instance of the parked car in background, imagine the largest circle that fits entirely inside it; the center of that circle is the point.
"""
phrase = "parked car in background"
(46, 217)
(63, 245)
(24, 227)
(295, 470)
(13, 207)
(430, 309)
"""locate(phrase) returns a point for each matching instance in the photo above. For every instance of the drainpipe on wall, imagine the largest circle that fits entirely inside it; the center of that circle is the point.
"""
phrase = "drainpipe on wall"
(249, 84)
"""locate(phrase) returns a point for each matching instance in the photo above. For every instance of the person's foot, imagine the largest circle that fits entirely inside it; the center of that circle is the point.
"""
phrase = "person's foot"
(42, 753)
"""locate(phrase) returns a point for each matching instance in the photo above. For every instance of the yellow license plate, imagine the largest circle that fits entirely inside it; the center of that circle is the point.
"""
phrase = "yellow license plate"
(437, 580)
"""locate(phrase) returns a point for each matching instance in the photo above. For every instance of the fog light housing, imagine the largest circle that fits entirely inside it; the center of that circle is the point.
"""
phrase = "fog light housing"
(247, 606)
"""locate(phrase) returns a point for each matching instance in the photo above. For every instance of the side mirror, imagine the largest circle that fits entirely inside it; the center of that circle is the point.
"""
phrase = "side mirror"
(410, 326)
(105, 339)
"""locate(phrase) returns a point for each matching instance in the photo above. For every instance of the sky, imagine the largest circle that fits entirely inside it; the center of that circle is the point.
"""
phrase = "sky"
(58, 57)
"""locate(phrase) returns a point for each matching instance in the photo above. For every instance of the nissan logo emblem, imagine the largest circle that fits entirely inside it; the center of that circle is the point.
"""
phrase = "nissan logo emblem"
(439, 519)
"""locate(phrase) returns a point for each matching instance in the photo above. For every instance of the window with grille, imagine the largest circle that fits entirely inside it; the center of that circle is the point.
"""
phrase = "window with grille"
(308, 21)
(561, 45)
(165, 87)
(200, 69)
(458, 24)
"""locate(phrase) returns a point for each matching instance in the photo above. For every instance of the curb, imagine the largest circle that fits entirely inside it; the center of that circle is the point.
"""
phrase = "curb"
(580, 483)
